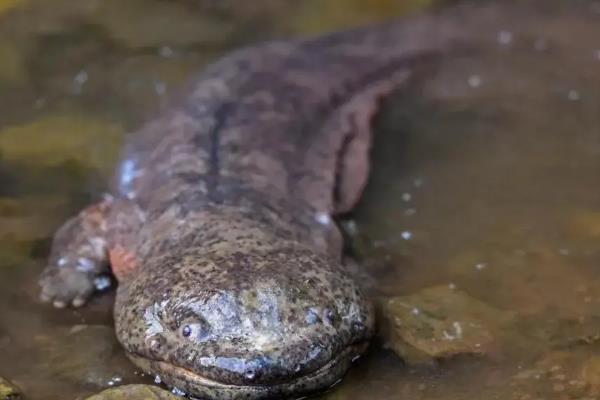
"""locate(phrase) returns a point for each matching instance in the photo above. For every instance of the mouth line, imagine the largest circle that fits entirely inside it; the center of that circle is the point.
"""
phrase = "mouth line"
(186, 374)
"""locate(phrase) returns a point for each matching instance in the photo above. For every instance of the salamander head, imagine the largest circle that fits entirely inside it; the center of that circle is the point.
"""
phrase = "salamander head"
(244, 324)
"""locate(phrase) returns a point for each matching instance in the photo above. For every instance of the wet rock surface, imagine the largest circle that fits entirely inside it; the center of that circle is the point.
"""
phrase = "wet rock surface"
(438, 322)
(134, 392)
(62, 352)
(9, 391)
(484, 178)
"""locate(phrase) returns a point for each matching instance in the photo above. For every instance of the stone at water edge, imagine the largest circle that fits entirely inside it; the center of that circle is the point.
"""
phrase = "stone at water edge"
(438, 322)
(9, 391)
(134, 392)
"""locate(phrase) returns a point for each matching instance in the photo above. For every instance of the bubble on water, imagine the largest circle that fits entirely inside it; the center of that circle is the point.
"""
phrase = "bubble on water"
(406, 235)
(564, 252)
(416, 311)
(114, 380)
(451, 286)
(480, 266)
(505, 37)
(157, 380)
(410, 211)
(177, 392)
(79, 80)
(474, 81)
(418, 182)
(160, 88)
(166, 52)
(573, 95)
(406, 197)
(81, 77)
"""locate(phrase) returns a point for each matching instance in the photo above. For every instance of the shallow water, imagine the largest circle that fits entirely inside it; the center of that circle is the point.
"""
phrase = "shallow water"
(485, 174)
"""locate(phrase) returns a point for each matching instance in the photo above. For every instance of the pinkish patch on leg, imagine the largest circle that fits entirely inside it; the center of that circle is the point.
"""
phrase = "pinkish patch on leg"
(123, 262)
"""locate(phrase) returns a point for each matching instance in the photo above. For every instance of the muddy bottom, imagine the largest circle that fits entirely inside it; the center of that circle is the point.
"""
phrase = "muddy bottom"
(484, 182)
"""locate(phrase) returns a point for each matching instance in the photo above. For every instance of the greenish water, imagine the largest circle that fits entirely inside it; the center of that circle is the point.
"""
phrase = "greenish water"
(485, 176)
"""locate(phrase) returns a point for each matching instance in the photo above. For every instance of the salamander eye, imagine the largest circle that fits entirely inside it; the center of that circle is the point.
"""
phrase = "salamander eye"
(186, 331)
(195, 331)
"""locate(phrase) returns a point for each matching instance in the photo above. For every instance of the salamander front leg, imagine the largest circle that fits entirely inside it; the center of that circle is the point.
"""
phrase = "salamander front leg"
(78, 258)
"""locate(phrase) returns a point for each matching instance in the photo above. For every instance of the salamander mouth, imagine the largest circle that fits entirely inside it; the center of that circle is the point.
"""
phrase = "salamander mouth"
(195, 384)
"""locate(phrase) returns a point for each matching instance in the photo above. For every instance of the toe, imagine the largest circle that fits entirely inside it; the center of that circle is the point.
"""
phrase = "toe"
(65, 287)
(78, 301)
(59, 304)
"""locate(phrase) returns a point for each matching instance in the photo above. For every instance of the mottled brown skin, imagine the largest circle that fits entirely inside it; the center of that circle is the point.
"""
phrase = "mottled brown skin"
(219, 227)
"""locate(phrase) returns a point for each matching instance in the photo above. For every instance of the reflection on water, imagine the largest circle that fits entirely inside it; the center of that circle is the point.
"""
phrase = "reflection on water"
(484, 180)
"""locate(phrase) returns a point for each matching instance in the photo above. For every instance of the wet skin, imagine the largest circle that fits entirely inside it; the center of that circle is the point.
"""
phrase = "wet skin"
(219, 227)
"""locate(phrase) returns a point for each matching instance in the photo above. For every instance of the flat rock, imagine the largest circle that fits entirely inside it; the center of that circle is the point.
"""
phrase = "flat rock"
(134, 392)
(438, 322)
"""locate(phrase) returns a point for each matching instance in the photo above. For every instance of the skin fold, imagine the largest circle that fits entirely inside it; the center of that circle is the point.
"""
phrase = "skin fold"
(219, 226)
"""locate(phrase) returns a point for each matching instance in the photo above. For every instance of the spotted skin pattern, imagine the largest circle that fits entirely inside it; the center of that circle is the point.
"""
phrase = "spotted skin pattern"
(219, 228)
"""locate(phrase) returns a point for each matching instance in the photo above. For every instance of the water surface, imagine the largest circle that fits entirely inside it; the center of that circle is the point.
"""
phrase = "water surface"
(485, 175)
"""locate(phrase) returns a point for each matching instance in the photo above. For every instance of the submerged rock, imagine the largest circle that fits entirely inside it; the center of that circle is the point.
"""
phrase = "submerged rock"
(438, 322)
(560, 374)
(25, 221)
(87, 354)
(590, 374)
(134, 392)
(585, 224)
(8, 390)
(121, 21)
(317, 16)
(6, 5)
(54, 140)
(11, 67)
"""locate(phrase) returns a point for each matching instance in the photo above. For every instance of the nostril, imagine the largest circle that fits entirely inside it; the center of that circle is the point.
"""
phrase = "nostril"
(358, 327)
(155, 342)
(330, 316)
